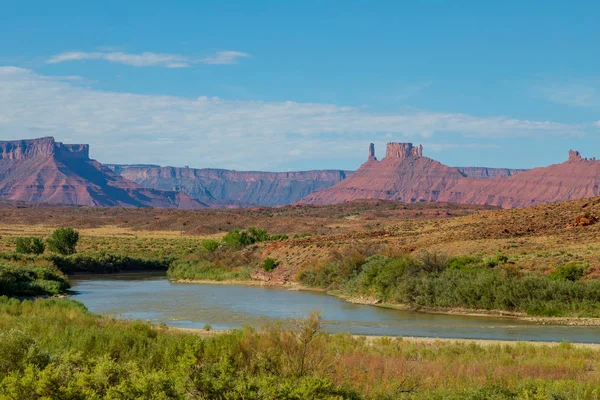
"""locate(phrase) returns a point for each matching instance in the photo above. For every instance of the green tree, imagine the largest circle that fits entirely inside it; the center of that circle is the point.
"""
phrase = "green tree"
(30, 245)
(63, 241)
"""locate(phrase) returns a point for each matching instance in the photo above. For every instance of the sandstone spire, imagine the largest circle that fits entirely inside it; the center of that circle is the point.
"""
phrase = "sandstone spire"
(372, 152)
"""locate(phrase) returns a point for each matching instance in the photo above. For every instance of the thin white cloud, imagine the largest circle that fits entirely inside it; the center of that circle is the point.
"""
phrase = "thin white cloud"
(148, 59)
(169, 130)
(583, 95)
(225, 57)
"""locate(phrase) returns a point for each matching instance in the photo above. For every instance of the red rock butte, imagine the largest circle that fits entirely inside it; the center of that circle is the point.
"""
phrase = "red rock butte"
(43, 170)
(406, 175)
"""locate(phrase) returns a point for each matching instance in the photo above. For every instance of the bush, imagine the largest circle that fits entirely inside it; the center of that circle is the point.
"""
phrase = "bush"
(210, 245)
(63, 241)
(279, 237)
(270, 264)
(433, 262)
(31, 280)
(570, 272)
(30, 245)
(462, 262)
(236, 239)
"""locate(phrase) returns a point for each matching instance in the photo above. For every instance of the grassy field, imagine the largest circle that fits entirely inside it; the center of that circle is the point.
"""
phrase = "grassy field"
(56, 349)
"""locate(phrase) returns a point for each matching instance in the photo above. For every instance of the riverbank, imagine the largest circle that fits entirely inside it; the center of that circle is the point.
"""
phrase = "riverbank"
(430, 341)
(561, 321)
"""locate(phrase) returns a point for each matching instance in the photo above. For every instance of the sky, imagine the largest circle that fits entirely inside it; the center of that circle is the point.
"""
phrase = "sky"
(298, 85)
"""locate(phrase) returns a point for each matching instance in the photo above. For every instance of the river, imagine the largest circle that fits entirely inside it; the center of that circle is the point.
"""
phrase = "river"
(152, 297)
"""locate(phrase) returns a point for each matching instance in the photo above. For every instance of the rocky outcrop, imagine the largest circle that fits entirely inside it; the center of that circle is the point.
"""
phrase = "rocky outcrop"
(403, 150)
(405, 175)
(484, 172)
(43, 170)
(234, 188)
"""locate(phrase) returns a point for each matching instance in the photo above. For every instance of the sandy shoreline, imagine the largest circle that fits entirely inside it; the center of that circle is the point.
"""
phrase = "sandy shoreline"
(563, 321)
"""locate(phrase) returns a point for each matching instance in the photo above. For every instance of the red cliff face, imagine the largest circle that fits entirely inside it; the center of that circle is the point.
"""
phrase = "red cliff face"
(43, 170)
(405, 175)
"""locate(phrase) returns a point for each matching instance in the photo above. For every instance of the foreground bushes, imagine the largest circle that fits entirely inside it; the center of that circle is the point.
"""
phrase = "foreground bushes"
(55, 349)
(30, 280)
(463, 282)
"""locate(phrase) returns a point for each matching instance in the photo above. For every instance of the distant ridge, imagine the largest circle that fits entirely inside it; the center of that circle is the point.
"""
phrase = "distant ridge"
(406, 175)
(245, 188)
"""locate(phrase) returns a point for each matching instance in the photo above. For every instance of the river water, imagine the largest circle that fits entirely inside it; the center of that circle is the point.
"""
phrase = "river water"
(152, 297)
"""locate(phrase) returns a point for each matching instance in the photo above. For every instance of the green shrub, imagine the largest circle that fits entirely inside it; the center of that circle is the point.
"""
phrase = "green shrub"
(270, 264)
(462, 262)
(571, 272)
(279, 237)
(63, 241)
(210, 245)
(30, 245)
(31, 280)
(257, 235)
(236, 239)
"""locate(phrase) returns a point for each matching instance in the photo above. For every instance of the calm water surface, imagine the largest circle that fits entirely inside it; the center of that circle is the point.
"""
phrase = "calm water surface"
(153, 298)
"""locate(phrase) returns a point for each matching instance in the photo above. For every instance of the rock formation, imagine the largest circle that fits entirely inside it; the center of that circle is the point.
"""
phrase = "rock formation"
(405, 175)
(403, 150)
(43, 170)
(372, 152)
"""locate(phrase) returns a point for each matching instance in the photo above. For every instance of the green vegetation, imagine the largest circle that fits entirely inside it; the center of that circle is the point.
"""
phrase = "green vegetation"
(63, 241)
(30, 280)
(99, 263)
(236, 239)
(570, 272)
(30, 245)
(210, 245)
(270, 264)
(206, 270)
(56, 349)
(460, 282)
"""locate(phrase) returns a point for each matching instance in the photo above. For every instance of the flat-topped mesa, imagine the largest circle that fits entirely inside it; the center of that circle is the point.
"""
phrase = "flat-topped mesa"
(43, 147)
(403, 150)
(574, 155)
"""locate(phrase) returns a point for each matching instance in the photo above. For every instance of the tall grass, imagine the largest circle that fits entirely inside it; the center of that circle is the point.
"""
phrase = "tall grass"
(57, 349)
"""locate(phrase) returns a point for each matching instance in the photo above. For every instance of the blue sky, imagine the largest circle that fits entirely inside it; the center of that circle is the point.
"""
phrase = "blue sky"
(284, 85)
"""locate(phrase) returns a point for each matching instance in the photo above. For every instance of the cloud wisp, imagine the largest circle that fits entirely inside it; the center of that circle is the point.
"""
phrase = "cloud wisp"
(170, 130)
(148, 59)
(582, 95)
